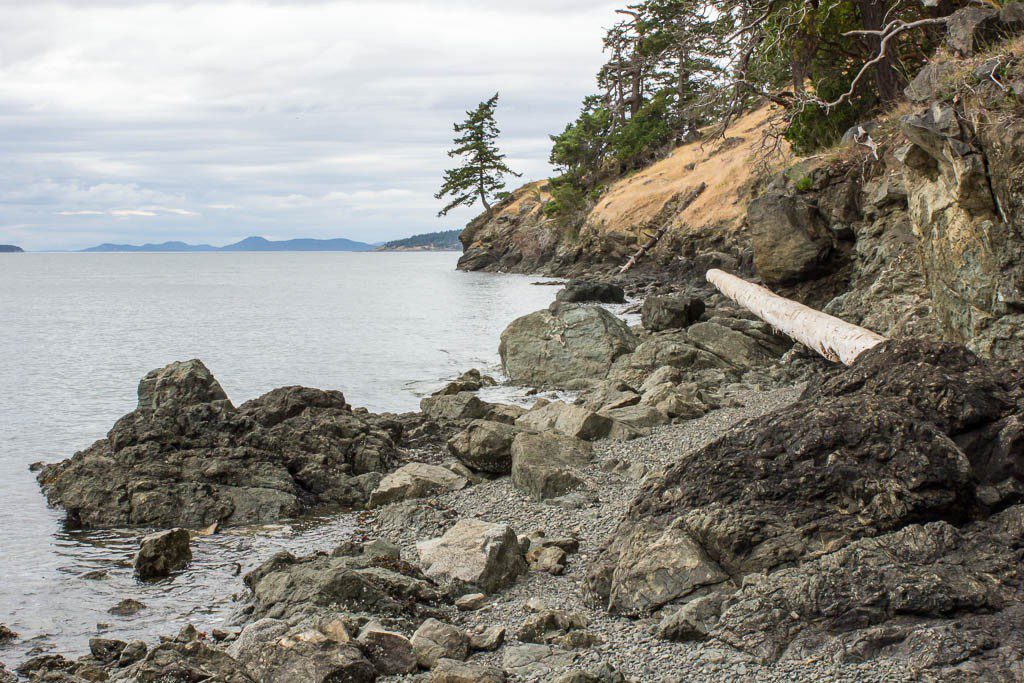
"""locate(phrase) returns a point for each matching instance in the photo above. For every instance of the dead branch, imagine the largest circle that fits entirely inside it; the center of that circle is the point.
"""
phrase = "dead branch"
(642, 251)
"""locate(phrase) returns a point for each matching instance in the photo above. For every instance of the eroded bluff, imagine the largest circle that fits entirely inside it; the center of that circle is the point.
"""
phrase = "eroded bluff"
(186, 456)
(860, 519)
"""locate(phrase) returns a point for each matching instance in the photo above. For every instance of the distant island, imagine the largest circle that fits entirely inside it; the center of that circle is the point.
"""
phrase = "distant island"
(10, 249)
(431, 241)
(248, 244)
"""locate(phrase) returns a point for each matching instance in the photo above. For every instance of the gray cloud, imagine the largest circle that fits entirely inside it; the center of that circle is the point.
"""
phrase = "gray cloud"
(210, 121)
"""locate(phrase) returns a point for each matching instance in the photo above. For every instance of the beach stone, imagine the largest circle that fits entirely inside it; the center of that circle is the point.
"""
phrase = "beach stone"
(435, 640)
(6, 676)
(504, 413)
(550, 559)
(566, 418)
(415, 480)
(607, 394)
(694, 620)
(572, 342)
(106, 650)
(535, 661)
(546, 625)
(464, 405)
(675, 400)
(162, 553)
(638, 416)
(580, 291)
(471, 380)
(544, 464)
(187, 457)
(487, 638)
(601, 673)
(453, 671)
(127, 608)
(670, 312)
(484, 446)
(391, 653)
(381, 548)
(6, 634)
(474, 553)
(471, 602)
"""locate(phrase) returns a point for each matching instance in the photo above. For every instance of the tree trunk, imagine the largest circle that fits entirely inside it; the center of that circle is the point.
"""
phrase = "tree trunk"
(833, 338)
(887, 80)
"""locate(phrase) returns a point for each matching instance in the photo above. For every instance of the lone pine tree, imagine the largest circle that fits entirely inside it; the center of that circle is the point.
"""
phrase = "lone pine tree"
(481, 174)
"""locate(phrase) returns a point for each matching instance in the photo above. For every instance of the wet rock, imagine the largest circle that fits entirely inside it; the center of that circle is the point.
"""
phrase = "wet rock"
(415, 480)
(557, 347)
(464, 405)
(43, 666)
(436, 640)
(474, 553)
(453, 671)
(127, 608)
(106, 650)
(6, 676)
(285, 586)
(187, 457)
(535, 661)
(6, 634)
(789, 237)
(471, 380)
(545, 465)
(484, 446)
(580, 291)
(163, 553)
(566, 418)
(380, 548)
(669, 312)
(390, 653)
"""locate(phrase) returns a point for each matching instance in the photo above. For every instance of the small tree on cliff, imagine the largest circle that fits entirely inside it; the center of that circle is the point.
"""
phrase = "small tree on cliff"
(483, 166)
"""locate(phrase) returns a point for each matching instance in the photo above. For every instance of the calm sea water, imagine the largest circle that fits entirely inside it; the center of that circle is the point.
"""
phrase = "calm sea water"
(77, 332)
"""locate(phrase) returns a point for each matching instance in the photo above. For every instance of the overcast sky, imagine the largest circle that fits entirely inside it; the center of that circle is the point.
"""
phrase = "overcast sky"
(206, 121)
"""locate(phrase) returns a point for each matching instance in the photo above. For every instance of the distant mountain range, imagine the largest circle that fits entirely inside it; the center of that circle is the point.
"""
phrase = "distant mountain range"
(10, 249)
(431, 241)
(248, 244)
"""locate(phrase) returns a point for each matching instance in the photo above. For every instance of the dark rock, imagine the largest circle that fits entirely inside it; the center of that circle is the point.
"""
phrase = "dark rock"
(41, 666)
(6, 634)
(187, 457)
(163, 553)
(450, 407)
(127, 608)
(694, 620)
(484, 446)
(789, 237)
(557, 347)
(581, 291)
(471, 380)
(106, 650)
(971, 28)
(931, 82)
(668, 312)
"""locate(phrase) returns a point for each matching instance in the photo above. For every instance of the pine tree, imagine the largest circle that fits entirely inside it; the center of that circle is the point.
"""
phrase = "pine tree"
(483, 167)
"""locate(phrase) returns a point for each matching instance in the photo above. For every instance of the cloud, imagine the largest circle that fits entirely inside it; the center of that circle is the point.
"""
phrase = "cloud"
(316, 118)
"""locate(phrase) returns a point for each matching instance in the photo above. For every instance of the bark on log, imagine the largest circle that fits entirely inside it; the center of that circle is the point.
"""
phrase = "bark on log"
(681, 206)
(833, 338)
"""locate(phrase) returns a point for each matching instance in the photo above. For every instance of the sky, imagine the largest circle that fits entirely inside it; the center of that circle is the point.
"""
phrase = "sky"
(209, 121)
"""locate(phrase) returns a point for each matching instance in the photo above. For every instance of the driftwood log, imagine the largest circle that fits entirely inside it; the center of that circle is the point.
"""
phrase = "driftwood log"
(833, 338)
(656, 237)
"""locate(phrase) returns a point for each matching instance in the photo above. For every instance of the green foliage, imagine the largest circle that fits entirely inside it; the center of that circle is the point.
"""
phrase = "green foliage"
(643, 136)
(448, 239)
(481, 175)
(804, 183)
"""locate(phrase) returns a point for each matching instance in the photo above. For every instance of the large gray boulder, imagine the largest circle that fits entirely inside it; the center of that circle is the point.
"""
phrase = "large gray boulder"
(544, 465)
(463, 405)
(566, 418)
(436, 640)
(474, 553)
(564, 344)
(484, 446)
(269, 650)
(415, 480)
(163, 553)
(789, 236)
(187, 457)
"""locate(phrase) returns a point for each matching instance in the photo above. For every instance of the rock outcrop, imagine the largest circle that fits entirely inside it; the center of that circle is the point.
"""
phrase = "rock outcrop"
(187, 457)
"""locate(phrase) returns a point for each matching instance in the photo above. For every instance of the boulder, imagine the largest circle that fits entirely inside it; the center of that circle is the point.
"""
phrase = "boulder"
(486, 638)
(436, 640)
(556, 347)
(470, 602)
(789, 236)
(639, 417)
(549, 625)
(694, 620)
(581, 291)
(390, 653)
(163, 553)
(669, 312)
(464, 405)
(191, 661)
(6, 634)
(106, 650)
(270, 650)
(544, 464)
(126, 608)
(606, 394)
(566, 418)
(675, 400)
(415, 480)
(453, 671)
(484, 446)
(971, 28)
(600, 673)
(535, 662)
(505, 413)
(474, 553)
(187, 457)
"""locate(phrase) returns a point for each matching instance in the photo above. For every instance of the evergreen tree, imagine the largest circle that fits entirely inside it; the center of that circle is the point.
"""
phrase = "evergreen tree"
(483, 166)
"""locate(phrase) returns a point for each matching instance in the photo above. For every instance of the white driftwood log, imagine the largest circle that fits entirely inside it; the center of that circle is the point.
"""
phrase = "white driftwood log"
(833, 338)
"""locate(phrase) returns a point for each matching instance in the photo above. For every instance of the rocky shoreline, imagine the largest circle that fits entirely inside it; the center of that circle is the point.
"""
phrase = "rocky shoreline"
(713, 505)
